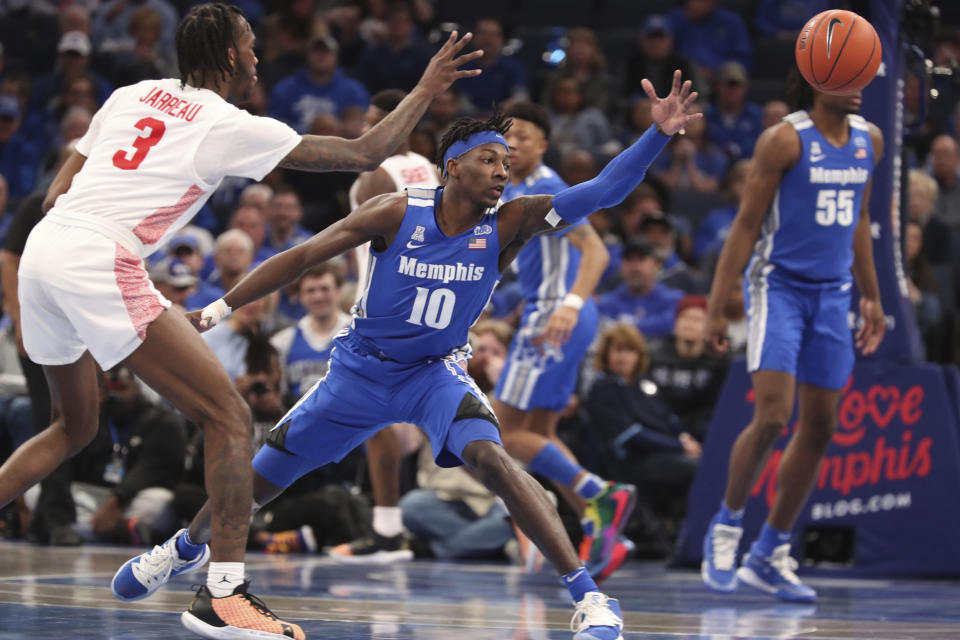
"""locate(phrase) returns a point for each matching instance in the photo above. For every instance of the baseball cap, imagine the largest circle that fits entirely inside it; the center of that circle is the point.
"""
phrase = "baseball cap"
(184, 240)
(732, 72)
(638, 247)
(656, 217)
(691, 302)
(9, 106)
(174, 272)
(656, 23)
(76, 41)
(325, 40)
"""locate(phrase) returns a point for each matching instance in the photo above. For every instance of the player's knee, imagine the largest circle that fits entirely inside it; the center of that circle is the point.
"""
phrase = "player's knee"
(80, 431)
(770, 426)
(229, 415)
(490, 461)
(819, 432)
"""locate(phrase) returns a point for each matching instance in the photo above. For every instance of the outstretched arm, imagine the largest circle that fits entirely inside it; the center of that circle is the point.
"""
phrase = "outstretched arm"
(330, 153)
(379, 217)
(522, 220)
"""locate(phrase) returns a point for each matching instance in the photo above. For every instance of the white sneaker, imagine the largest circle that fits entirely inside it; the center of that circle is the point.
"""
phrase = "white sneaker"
(597, 617)
(142, 575)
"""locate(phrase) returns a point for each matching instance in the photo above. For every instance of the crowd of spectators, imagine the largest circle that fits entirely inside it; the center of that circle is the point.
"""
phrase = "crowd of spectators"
(319, 64)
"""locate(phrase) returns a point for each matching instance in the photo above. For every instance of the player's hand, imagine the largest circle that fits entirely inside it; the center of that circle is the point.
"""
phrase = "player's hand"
(873, 324)
(560, 326)
(670, 113)
(442, 70)
(715, 334)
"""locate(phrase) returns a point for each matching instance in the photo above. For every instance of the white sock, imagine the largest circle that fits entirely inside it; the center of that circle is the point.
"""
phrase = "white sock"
(388, 521)
(224, 577)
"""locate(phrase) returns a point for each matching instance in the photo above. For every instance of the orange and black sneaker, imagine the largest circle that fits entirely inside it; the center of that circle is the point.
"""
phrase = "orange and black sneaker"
(240, 615)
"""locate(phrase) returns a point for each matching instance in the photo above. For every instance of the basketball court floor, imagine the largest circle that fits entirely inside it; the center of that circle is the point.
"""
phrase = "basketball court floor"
(64, 594)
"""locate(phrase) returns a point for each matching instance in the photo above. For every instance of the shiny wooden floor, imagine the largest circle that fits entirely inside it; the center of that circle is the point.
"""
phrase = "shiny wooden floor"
(64, 593)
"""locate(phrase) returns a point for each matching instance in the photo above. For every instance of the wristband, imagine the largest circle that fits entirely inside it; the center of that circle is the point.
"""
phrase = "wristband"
(215, 312)
(573, 300)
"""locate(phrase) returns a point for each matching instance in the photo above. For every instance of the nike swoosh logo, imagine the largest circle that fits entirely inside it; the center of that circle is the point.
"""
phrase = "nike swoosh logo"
(570, 579)
(818, 158)
(830, 27)
(410, 245)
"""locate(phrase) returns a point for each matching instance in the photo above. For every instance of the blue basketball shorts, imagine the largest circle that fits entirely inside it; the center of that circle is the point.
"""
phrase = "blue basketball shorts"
(544, 376)
(799, 328)
(360, 395)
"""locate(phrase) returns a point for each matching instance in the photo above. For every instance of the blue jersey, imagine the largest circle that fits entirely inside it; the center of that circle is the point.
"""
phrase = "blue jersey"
(424, 292)
(808, 231)
(548, 264)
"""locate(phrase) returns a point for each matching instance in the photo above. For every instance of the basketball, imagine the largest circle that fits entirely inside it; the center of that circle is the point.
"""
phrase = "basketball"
(838, 52)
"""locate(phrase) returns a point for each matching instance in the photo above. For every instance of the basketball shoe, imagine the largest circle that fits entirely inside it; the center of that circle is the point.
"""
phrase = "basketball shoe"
(597, 617)
(719, 567)
(374, 549)
(621, 553)
(141, 576)
(299, 540)
(239, 615)
(604, 518)
(775, 574)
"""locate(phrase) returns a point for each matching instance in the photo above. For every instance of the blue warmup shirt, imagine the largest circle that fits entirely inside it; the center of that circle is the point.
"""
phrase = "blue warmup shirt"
(808, 231)
(429, 288)
(297, 100)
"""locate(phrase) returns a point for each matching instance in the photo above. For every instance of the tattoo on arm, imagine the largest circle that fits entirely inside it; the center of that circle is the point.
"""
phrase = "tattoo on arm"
(325, 153)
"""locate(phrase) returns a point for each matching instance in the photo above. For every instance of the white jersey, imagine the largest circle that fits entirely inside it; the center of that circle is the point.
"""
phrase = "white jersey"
(408, 169)
(156, 152)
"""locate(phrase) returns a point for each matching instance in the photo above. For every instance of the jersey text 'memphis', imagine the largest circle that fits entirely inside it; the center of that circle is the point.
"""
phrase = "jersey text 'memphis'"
(446, 272)
(170, 104)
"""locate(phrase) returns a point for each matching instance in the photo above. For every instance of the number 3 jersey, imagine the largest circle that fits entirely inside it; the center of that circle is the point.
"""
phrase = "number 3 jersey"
(424, 292)
(155, 153)
(808, 232)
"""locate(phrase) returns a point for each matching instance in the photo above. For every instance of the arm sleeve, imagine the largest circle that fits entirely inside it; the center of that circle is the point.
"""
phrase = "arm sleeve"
(613, 184)
(244, 145)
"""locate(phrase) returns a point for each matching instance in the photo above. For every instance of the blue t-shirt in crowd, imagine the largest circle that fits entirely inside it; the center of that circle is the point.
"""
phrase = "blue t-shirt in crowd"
(499, 81)
(713, 230)
(297, 100)
(652, 314)
(381, 67)
(720, 37)
(736, 136)
(19, 160)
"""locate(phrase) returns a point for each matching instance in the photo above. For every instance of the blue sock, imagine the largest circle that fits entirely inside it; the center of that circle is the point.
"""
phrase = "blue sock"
(552, 464)
(730, 517)
(771, 538)
(579, 583)
(589, 486)
(188, 549)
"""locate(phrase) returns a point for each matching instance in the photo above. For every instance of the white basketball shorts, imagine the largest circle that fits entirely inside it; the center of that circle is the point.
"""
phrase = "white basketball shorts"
(80, 290)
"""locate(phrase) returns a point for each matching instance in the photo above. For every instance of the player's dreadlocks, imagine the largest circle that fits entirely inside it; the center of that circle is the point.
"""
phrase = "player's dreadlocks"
(463, 128)
(799, 91)
(203, 37)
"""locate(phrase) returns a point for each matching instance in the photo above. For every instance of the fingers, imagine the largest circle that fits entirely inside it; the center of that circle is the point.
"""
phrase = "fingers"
(647, 87)
(675, 89)
(467, 57)
(690, 99)
(685, 90)
(460, 44)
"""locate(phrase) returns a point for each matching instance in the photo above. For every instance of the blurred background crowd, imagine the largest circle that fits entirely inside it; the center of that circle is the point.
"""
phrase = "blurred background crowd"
(320, 64)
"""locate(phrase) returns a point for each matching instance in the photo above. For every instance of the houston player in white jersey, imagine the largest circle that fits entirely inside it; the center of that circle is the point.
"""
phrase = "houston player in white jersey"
(152, 156)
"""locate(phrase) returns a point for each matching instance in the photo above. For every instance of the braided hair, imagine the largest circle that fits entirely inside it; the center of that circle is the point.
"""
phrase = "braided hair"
(799, 92)
(463, 128)
(203, 37)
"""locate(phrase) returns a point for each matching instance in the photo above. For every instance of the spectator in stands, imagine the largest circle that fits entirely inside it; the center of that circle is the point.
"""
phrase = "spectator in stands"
(656, 60)
(773, 112)
(111, 22)
(573, 124)
(576, 166)
(142, 55)
(783, 19)
(74, 124)
(174, 280)
(252, 222)
(132, 464)
(185, 248)
(642, 441)
(445, 108)
(641, 202)
(734, 122)
(320, 87)
(6, 215)
(256, 195)
(692, 161)
(230, 339)
(398, 61)
(639, 119)
(714, 227)
(232, 258)
(585, 61)
(283, 216)
(73, 58)
(304, 349)
(19, 157)
(922, 193)
(922, 288)
(503, 77)
(423, 140)
(658, 231)
(710, 36)
(76, 91)
(490, 340)
(689, 379)
(285, 33)
(944, 165)
(642, 300)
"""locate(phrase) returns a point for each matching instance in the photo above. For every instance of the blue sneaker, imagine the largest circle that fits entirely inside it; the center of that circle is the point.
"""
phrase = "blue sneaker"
(775, 575)
(719, 567)
(597, 618)
(141, 576)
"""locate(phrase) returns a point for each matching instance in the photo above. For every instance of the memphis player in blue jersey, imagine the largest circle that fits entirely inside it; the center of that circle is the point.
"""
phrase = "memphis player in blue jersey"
(803, 224)
(558, 273)
(436, 256)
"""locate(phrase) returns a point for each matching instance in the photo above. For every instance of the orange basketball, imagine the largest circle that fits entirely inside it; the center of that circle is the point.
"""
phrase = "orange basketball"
(838, 52)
